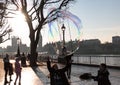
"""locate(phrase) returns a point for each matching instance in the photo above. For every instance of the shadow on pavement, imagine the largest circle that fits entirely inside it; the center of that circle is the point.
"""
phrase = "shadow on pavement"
(41, 75)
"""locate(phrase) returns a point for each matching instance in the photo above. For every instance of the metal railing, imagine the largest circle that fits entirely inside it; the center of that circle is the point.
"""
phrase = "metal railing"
(111, 60)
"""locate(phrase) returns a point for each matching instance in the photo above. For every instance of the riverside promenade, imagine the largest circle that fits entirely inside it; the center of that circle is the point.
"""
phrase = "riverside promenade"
(39, 75)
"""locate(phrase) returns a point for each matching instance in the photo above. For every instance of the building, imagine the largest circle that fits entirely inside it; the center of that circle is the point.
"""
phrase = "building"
(14, 41)
(91, 42)
(116, 40)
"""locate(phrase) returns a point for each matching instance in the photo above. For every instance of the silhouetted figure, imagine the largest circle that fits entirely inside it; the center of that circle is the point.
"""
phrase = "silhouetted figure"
(10, 70)
(103, 75)
(64, 51)
(6, 66)
(23, 60)
(69, 60)
(28, 57)
(18, 71)
(57, 76)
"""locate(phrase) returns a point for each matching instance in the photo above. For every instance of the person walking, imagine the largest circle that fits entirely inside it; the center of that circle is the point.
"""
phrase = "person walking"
(10, 70)
(57, 76)
(103, 75)
(23, 60)
(6, 66)
(18, 71)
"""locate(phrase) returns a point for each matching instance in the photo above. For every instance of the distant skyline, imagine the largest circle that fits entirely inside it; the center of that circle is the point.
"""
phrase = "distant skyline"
(100, 20)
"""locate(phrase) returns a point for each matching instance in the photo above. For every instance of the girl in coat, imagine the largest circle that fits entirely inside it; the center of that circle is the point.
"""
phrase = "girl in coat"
(18, 71)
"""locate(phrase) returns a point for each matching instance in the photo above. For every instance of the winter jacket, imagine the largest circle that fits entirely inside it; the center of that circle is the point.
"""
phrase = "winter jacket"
(58, 77)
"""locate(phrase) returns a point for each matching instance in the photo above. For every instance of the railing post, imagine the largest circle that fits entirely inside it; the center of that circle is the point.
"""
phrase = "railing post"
(90, 59)
(105, 59)
(77, 59)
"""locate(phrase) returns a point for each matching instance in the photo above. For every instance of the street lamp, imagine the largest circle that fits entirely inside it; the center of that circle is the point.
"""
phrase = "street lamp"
(18, 41)
(63, 30)
(18, 49)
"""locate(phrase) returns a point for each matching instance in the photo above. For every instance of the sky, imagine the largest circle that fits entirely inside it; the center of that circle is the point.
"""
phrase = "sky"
(100, 20)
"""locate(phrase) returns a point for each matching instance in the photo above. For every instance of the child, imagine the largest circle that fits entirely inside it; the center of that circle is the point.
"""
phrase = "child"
(10, 70)
(18, 70)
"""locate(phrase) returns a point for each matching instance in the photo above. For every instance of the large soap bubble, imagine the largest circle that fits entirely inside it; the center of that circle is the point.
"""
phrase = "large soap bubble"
(72, 23)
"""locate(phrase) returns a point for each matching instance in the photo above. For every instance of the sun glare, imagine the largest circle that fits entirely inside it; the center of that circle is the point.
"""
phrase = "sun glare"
(19, 26)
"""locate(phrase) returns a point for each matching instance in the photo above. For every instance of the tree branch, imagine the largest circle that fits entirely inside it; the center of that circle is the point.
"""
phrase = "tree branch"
(54, 13)
(15, 3)
(51, 2)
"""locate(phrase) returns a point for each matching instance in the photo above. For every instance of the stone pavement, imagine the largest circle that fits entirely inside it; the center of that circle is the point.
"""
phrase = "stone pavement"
(77, 70)
(31, 76)
(39, 75)
(42, 71)
(28, 77)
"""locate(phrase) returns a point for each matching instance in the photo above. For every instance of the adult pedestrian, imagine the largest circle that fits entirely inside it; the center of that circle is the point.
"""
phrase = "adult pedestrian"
(23, 60)
(10, 71)
(69, 60)
(57, 76)
(28, 57)
(103, 75)
(6, 66)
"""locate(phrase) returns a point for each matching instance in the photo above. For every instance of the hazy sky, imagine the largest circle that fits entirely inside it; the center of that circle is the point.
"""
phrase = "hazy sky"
(100, 20)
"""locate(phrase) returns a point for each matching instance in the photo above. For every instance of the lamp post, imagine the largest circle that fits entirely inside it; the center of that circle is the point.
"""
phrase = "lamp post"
(63, 30)
(18, 41)
(18, 49)
(61, 58)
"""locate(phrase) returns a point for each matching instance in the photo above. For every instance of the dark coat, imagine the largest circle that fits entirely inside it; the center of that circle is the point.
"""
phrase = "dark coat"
(69, 61)
(68, 57)
(59, 72)
(102, 78)
(10, 69)
(6, 63)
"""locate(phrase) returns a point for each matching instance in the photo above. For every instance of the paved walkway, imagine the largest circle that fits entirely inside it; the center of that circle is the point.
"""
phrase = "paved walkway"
(77, 70)
(28, 77)
(39, 75)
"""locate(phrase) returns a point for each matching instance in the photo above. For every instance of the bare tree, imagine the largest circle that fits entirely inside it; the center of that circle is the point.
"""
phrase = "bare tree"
(36, 15)
(5, 28)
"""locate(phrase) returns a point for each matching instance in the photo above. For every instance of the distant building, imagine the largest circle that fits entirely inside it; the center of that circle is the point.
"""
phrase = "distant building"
(23, 48)
(116, 40)
(91, 42)
(14, 47)
(14, 41)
